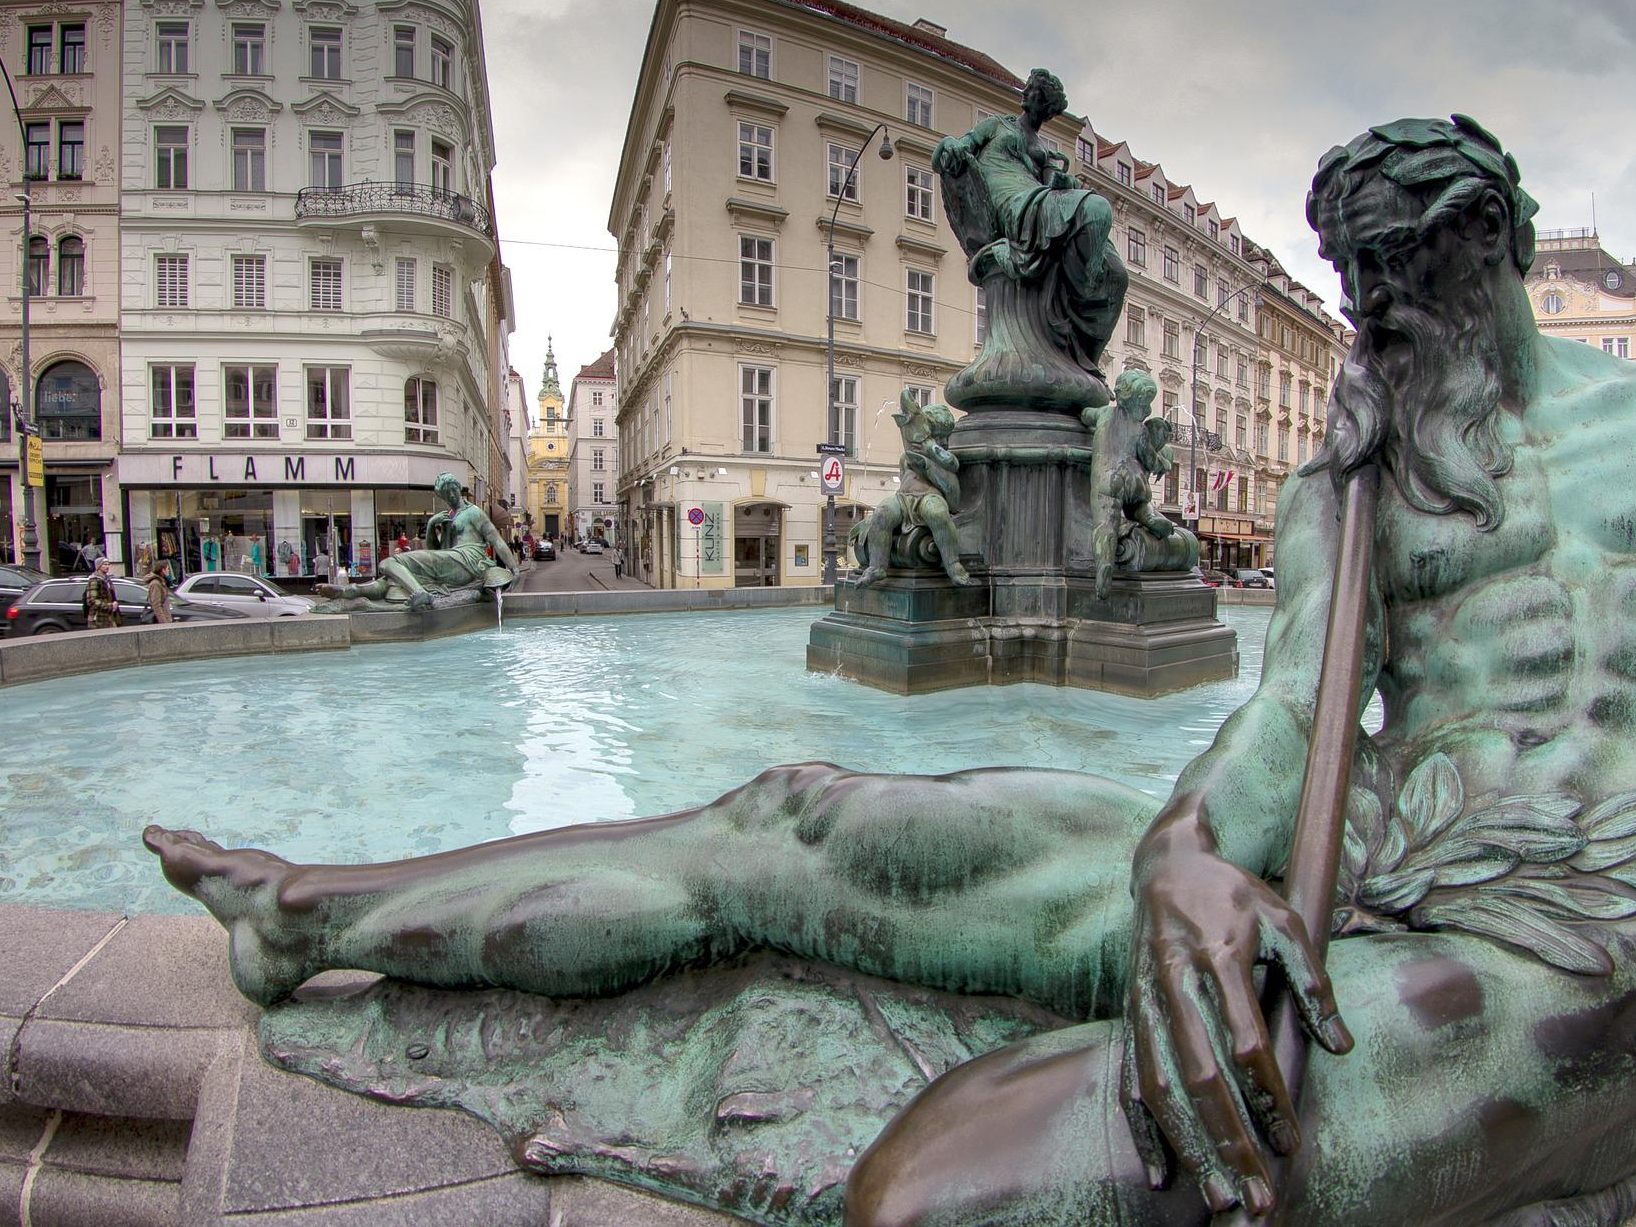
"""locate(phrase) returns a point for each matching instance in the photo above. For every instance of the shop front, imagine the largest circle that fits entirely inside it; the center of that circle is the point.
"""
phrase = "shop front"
(1231, 543)
(757, 531)
(313, 516)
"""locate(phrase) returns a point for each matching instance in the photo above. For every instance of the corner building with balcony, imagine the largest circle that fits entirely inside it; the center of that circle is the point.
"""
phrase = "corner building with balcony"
(65, 62)
(314, 312)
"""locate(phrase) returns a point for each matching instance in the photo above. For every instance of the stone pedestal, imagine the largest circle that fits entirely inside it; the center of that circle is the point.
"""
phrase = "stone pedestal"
(1025, 529)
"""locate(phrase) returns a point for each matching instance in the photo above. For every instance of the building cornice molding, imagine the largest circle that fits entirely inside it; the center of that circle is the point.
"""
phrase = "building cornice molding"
(325, 107)
(920, 249)
(247, 104)
(169, 103)
(744, 100)
(766, 214)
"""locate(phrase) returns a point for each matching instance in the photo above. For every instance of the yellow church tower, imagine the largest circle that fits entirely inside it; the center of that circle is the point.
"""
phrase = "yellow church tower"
(548, 455)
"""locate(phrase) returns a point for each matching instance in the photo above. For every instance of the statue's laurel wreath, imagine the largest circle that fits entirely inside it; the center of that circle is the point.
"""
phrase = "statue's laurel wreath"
(1532, 871)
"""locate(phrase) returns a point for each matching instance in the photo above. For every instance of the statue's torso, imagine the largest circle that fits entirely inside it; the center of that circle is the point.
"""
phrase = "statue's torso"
(1514, 651)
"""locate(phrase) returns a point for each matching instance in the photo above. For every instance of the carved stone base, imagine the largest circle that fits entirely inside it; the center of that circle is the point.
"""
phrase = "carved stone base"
(912, 634)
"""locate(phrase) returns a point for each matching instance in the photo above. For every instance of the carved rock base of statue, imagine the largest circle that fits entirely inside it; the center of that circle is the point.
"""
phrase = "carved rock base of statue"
(362, 604)
(749, 1087)
(1026, 531)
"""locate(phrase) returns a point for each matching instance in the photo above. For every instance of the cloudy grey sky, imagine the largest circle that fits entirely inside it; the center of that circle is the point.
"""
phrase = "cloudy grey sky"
(1238, 97)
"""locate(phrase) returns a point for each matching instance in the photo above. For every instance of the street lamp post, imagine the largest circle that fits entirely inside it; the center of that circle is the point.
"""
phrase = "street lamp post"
(1193, 401)
(24, 413)
(829, 316)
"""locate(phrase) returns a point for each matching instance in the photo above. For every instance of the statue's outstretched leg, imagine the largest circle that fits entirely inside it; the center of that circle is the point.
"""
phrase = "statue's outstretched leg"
(375, 590)
(1509, 1080)
(935, 511)
(882, 526)
(1009, 881)
(405, 579)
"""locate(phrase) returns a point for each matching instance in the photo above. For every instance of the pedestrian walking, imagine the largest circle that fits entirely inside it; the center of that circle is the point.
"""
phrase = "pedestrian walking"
(618, 561)
(101, 600)
(158, 582)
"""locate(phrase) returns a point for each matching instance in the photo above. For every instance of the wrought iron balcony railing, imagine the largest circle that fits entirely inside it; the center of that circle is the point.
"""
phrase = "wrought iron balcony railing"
(415, 199)
(1209, 440)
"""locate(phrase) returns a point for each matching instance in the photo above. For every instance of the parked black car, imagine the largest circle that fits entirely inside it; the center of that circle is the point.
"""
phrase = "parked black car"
(1253, 578)
(544, 551)
(57, 605)
(16, 580)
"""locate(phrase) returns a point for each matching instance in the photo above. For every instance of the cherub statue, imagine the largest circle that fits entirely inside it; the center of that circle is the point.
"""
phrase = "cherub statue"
(1129, 447)
(925, 501)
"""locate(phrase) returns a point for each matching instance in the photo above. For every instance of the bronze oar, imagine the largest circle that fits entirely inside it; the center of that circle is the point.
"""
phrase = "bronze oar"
(1320, 818)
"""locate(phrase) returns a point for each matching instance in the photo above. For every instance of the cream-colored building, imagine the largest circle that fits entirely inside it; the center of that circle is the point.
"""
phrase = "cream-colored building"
(593, 456)
(1582, 293)
(65, 61)
(745, 122)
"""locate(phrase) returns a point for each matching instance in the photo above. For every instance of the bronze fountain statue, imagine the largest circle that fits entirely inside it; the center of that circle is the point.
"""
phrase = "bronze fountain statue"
(1475, 858)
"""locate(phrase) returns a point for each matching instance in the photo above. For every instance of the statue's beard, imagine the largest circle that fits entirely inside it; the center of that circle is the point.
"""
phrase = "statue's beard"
(1420, 392)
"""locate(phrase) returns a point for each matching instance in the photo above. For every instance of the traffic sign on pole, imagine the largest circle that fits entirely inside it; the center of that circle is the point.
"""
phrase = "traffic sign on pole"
(832, 449)
(832, 473)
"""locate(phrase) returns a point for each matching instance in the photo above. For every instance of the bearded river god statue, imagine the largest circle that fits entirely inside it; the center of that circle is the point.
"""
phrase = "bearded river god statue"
(456, 567)
(1439, 550)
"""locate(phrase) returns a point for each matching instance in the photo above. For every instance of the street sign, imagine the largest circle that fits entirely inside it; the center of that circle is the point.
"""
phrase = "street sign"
(832, 474)
(34, 450)
(832, 449)
(695, 516)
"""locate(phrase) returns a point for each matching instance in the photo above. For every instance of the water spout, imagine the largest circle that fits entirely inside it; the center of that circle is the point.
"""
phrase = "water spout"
(500, 609)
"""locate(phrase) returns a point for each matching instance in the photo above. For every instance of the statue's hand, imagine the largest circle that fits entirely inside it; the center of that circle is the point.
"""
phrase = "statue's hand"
(1194, 1031)
(951, 157)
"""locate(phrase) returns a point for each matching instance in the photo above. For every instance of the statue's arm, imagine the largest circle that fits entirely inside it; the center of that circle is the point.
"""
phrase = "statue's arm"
(492, 538)
(955, 153)
(1204, 916)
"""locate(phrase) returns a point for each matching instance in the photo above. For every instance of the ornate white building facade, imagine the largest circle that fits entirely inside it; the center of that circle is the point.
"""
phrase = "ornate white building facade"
(314, 314)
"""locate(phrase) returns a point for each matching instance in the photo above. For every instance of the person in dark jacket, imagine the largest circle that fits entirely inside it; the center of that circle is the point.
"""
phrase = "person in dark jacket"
(101, 601)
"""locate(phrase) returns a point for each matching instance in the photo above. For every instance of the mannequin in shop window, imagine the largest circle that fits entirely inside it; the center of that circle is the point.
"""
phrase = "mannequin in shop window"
(212, 552)
(455, 561)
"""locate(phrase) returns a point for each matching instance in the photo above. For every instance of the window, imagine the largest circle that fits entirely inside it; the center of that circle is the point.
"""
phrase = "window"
(170, 412)
(170, 277)
(843, 79)
(1136, 247)
(403, 159)
(170, 157)
(1172, 406)
(1304, 396)
(1085, 150)
(755, 152)
(666, 161)
(71, 266)
(442, 170)
(755, 55)
(1214, 228)
(1173, 338)
(1242, 379)
(599, 428)
(250, 282)
(756, 408)
(920, 292)
(1241, 430)
(41, 39)
(1300, 448)
(249, 159)
(172, 39)
(324, 156)
(1263, 383)
(1621, 347)
(1157, 191)
(1261, 438)
(1221, 361)
(755, 271)
(843, 288)
(1190, 215)
(920, 393)
(918, 202)
(1283, 390)
(843, 413)
(38, 139)
(329, 407)
(596, 398)
(1551, 305)
(917, 104)
(1243, 307)
(70, 149)
(1283, 443)
(39, 265)
(1232, 243)
(982, 315)
(442, 290)
(250, 402)
(249, 48)
(1222, 294)
(843, 174)
(71, 47)
(599, 461)
(442, 62)
(1136, 327)
(403, 279)
(324, 52)
(324, 280)
(403, 51)
(420, 410)
(1121, 172)
(1173, 265)
(1201, 282)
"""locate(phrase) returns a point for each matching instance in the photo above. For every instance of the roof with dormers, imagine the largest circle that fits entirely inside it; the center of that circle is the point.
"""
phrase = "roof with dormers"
(1588, 263)
(918, 37)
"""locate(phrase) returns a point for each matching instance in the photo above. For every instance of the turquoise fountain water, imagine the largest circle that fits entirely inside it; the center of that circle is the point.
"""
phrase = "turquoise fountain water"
(392, 751)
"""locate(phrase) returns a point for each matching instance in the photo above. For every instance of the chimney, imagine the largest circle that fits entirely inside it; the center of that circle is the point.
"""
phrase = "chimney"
(931, 27)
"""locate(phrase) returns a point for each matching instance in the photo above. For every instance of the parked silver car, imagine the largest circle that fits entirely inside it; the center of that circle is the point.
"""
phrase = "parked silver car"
(249, 594)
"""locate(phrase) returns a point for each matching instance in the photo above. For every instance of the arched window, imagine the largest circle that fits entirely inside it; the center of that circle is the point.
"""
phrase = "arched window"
(420, 410)
(71, 266)
(39, 265)
(1552, 303)
(68, 402)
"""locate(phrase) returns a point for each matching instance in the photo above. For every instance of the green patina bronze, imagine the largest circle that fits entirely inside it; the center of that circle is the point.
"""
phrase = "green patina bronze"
(914, 525)
(1485, 1071)
(464, 557)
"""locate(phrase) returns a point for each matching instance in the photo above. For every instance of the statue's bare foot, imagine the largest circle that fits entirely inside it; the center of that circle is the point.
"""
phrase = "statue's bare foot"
(960, 575)
(420, 600)
(270, 953)
(866, 577)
